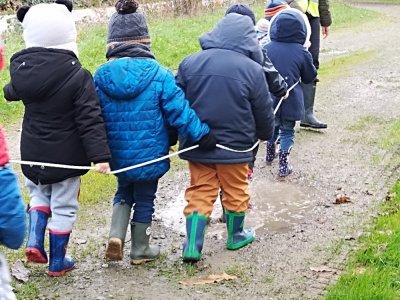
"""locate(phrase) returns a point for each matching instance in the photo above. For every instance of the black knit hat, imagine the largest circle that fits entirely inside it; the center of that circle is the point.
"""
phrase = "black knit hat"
(127, 24)
(241, 9)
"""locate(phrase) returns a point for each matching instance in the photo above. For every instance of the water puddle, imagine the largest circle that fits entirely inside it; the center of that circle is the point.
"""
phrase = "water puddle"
(276, 206)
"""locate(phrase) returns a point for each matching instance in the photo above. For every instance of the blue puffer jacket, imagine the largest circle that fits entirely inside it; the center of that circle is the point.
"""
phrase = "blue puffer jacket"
(12, 211)
(138, 98)
(288, 33)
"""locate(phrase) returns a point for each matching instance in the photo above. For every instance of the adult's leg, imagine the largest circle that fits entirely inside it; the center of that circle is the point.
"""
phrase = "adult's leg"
(309, 89)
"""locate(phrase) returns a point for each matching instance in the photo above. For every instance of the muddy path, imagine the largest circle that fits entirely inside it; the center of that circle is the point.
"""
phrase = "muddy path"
(299, 229)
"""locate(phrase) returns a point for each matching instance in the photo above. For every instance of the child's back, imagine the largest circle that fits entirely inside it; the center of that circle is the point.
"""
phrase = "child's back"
(289, 33)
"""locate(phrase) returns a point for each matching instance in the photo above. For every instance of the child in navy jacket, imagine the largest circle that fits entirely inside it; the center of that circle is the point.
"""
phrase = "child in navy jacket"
(289, 33)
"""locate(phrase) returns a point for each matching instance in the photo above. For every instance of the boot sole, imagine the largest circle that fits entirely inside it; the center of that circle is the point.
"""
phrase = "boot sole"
(305, 125)
(241, 244)
(61, 273)
(136, 262)
(34, 255)
(114, 249)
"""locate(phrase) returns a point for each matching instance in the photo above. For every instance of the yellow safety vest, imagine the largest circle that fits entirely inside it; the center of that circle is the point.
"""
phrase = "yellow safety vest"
(308, 6)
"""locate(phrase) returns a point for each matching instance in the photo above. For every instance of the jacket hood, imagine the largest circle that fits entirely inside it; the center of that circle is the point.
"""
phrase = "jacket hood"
(125, 78)
(234, 32)
(39, 72)
(290, 26)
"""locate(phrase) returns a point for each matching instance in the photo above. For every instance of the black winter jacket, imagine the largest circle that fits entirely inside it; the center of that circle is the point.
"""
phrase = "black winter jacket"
(62, 121)
(225, 85)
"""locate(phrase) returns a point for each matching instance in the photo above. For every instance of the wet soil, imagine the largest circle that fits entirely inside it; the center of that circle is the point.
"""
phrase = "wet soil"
(298, 226)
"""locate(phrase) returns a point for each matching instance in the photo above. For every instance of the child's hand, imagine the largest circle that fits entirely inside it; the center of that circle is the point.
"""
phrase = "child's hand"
(103, 168)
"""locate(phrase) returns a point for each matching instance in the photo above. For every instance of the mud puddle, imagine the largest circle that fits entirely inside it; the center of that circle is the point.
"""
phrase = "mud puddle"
(275, 207)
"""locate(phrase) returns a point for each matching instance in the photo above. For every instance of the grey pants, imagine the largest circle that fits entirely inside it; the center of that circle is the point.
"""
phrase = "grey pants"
(6, 292)
(62, 200)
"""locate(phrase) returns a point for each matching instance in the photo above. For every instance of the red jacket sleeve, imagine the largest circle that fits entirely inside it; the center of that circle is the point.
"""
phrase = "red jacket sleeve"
(3, 149)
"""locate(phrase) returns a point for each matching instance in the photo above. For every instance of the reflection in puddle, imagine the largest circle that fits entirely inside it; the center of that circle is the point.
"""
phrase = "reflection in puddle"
(276, 206)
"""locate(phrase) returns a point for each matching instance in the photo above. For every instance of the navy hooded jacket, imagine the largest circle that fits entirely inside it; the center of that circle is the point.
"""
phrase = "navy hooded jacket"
(225, 85)
(288, 33)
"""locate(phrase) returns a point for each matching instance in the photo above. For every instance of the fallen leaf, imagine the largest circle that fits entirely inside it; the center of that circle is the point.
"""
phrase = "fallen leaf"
(210, 279)
(323, 269)
(19, 271)
(342, 199)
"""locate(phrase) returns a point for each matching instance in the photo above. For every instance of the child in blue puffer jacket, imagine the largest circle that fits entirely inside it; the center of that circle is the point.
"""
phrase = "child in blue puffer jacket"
(139, 100)
(12, 217)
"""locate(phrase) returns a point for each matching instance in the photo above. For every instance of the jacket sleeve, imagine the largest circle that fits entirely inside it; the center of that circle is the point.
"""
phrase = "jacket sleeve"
(276, 84)
(324, 13)
(308, 70)
(261, 104)
(12, 211)
(178, 113)
(9, 93)
(89, 120)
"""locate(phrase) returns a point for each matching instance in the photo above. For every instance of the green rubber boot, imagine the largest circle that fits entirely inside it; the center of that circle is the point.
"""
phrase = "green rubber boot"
(238, 236)
(141, 251)
(195, 230)
(119, 225)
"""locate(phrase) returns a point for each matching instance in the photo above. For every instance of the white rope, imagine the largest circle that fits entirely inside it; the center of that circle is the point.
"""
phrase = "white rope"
(280, 101)
(61, 166)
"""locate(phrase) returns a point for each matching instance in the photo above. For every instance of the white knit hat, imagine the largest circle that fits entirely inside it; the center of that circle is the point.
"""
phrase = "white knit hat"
(50, 26)
(262, 25)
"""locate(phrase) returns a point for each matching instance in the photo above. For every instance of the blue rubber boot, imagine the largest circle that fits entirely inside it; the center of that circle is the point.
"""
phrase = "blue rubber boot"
(59, 262)
(285, 169)
(34, 250)
(195, 230)
(238, 236)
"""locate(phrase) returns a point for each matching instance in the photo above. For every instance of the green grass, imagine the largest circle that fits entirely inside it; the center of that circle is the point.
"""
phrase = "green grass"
(380, 1)
(374, 269)
(342, 66)
(345, 15)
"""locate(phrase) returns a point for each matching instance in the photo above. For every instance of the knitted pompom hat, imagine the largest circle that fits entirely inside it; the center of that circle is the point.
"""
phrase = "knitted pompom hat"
(262, 25)
(127, 25)
(273, 7)
(241, 9)
(49, 25)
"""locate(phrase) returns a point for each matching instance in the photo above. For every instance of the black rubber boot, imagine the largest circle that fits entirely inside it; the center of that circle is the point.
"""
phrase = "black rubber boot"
(310, 120)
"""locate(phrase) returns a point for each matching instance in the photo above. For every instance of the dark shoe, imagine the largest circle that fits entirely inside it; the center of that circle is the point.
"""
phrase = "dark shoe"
(195, 230)
(238, 236)
(119, 225)
(312, 122)
(34, 250)
(141, 251)
(59, 262)
(285, 168)
(271, 153)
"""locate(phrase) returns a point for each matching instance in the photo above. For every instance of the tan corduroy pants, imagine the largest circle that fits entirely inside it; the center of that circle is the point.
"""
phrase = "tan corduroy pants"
(207, 179)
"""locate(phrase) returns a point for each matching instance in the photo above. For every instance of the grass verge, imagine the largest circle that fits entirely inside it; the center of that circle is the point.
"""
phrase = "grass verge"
(374, 270)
